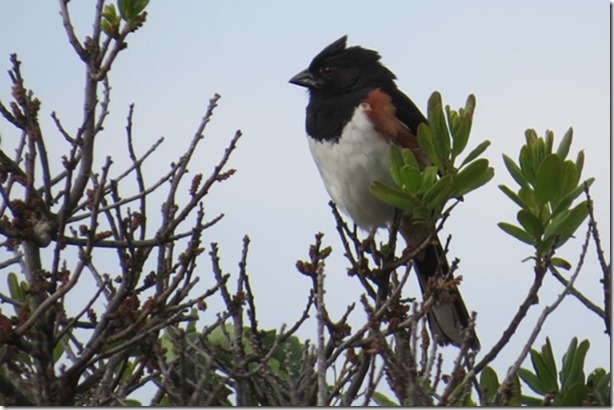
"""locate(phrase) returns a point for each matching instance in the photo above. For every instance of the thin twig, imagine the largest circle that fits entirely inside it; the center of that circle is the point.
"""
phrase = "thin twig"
(70, 31)
(321, 352)
(576, 293)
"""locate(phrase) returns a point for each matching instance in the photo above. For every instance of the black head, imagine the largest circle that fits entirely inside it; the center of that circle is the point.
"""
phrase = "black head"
(338, 69)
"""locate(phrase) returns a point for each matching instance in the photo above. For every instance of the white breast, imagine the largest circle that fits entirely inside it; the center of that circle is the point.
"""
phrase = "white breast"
(350, 165)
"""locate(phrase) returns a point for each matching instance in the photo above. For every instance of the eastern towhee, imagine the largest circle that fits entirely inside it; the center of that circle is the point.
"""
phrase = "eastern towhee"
(355, 113)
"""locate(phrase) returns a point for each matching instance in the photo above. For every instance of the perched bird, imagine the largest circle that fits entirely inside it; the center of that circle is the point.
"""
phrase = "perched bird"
(354, 115)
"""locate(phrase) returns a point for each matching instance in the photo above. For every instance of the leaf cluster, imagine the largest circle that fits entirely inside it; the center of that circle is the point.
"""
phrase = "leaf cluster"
(567, 387)
(548, 185)
(571, 388)
(425, 190)
(132, 12)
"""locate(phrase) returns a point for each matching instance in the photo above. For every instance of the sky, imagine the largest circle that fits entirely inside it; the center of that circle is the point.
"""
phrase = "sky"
(531, 64)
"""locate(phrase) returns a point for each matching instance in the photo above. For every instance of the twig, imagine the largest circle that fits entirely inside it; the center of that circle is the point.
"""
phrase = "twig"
(574, 292)
(70, 324)
(61, 129)
(70, 31)
(11, 261)
(321, 352)
(606, 281)
(49, 301)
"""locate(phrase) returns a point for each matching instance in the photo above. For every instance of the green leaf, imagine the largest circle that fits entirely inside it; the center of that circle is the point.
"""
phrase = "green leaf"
(560, 263)
(109, 13)
(513, 196)
(571, 177)
(546, 246)
(565, 144)
(476, 152)
(548, 180)
(565, 224)
(528, 197)
(410, 180)
(460, 133)
(595, 377)
(15, 288)
(573, 364)
(382, 400)
(191, 324)
(580, 162)
(429, 177)
(392, 196)
(548, 357)
(526, 163)
(538, 148)
(568, 358)
(515, 171)
(437, 122)
(107, 28)
(516, 232)
(58, 350)
(532, 381)
(544, 372)
(460, 136)
(453, 117)
(532, 401)
(288, 354)
(140, 5)
(396, 163)
(409, 158)
(531, 224)
(435, 197)
(565, 203)
(125, 9)
(515, 398)
(129, 10)
(549, 142)
(530, 136)
(425, 140)
(489, 383)
(573, 396)
(109, 23)
(472, 177)
(599, 384)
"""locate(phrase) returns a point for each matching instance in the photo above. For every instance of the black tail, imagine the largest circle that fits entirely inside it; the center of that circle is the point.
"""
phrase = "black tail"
(448, 316)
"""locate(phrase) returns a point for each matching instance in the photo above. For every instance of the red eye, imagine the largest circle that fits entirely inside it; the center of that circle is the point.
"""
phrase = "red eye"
(327, 71)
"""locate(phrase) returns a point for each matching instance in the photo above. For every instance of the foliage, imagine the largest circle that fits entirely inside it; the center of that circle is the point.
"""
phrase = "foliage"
(490, 386)
(197, 358)
(574, 389)
(549, 183)
(418, 188)
(569, 387)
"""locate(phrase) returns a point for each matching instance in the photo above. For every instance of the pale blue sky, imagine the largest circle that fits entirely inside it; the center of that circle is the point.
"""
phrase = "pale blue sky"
(531, 64)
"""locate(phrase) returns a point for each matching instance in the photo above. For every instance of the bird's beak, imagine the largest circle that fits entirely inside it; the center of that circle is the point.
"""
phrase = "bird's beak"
(304, 79)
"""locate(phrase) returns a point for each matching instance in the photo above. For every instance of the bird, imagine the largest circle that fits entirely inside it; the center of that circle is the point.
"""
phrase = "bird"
(354, 115)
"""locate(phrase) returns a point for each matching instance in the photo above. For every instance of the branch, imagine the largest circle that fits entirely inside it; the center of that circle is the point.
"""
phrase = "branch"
(64, 289)
(605, 267)
(540, 321)
(321, 346)
(70, 32)
(573, 291)
(145, 243)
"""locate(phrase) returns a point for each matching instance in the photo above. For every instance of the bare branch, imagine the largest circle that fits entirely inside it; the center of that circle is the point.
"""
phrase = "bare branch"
(70, 31)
